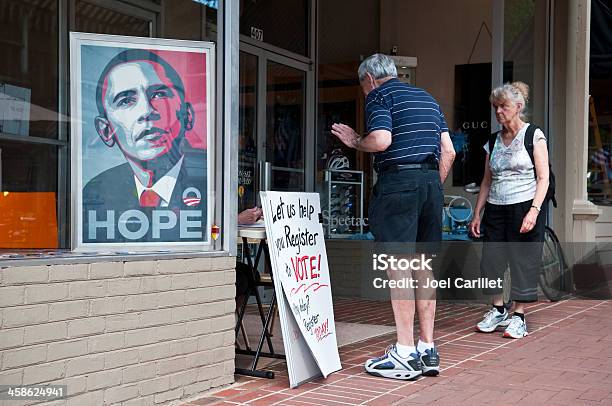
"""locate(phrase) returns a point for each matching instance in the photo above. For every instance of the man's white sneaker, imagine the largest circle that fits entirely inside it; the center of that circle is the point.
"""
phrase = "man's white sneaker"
(391, 365)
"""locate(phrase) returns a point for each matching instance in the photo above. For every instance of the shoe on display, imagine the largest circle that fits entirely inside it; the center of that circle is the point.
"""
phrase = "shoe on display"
(493, 319)
(516, 329)
(391, 365)
(430, 362)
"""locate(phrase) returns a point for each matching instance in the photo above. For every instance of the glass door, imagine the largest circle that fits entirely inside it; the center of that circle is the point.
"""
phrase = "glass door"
(285, 108)
(273, 109)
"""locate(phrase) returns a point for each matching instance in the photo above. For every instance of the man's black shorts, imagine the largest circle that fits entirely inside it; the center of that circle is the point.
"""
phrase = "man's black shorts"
(406, 206)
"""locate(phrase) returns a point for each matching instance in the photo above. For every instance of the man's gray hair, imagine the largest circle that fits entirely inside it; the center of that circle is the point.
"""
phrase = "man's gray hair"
(378, 65)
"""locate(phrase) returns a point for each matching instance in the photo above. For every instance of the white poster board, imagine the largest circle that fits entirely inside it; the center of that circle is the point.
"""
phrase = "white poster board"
(301, 279)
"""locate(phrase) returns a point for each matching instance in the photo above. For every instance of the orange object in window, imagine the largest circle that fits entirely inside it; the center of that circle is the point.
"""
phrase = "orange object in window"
(28, 220)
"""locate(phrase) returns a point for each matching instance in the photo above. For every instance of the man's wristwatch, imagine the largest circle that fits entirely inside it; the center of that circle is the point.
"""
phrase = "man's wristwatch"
(537, 208)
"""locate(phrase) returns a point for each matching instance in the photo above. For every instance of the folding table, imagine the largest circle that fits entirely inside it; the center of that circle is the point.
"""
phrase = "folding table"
(257, 234)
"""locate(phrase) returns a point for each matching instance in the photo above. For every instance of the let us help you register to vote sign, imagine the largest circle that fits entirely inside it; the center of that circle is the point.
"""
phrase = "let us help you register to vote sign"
(302, 284)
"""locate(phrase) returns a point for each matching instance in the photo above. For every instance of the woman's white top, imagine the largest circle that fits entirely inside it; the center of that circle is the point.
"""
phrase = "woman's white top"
(512, 173)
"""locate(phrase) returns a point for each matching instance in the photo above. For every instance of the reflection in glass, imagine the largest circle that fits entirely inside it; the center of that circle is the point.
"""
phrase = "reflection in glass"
(100, 20)
(599, 175)
(28, 68)
(285, 126)
(28, 188)
(524, 52)
(190, 20)
(247, 149)
(28, 109)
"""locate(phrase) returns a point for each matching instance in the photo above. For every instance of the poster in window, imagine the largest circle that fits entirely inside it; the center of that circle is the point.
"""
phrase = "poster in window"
(141, 140)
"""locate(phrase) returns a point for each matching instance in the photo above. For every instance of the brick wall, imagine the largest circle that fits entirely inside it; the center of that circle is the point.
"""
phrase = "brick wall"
(124, 333)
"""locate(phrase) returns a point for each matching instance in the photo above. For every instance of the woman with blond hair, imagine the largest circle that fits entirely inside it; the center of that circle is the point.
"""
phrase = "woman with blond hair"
(512, 193)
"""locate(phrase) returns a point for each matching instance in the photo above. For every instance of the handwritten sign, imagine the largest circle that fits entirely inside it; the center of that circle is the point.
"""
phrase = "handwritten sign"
(299, 263)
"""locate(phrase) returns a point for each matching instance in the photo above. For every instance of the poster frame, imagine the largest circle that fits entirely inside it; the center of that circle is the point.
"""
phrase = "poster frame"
(79, 39)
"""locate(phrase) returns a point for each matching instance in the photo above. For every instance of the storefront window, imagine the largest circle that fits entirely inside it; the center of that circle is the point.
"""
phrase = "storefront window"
(28, 68)
(35, 104)
(28, 215)
(599, 175)
(454, 67)
(29, 120)
(102, 20)
(147, 107)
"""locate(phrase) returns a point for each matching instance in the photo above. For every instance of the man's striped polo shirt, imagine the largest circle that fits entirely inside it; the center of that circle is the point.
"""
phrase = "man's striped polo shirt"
(414, 119)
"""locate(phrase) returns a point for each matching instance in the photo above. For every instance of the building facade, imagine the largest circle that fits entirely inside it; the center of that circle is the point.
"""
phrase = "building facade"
(145, 324)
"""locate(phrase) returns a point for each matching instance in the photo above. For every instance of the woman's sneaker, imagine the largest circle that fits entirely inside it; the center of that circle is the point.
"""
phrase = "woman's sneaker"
(493, 319)
(391, 365)
(430, 362)
(516, 329)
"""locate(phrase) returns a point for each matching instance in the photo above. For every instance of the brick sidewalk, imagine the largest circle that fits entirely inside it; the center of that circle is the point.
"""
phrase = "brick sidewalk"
(566, 359)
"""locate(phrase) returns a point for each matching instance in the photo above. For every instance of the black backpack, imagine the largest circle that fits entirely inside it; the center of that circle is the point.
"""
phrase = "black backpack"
(528, 141)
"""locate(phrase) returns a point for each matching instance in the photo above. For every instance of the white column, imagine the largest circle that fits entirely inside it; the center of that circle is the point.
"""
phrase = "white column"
(583, 212)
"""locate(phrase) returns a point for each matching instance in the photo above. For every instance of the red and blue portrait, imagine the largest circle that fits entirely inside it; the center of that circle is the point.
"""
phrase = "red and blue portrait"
(142, 136)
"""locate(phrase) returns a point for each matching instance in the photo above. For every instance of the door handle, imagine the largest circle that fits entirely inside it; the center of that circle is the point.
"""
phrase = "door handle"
(265, 175)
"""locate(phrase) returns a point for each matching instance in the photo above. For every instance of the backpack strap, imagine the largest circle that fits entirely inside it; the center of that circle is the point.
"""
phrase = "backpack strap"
(492, 139)
(528, 141)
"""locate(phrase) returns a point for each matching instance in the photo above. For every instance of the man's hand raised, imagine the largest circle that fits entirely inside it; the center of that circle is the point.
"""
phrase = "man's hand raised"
(346, 134)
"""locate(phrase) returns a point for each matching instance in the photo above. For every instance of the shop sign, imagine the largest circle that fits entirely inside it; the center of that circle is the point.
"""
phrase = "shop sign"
(301, 278)
(142, 112)
(475, 125)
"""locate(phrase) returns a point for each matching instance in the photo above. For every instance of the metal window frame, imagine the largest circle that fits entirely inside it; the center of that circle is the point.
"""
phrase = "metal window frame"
(312, 86)
(228, 51)
(273, 49)
(63, 103)
(264, 56)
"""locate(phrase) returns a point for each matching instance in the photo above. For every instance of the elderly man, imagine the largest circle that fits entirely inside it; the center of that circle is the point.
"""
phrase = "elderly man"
(413, 154)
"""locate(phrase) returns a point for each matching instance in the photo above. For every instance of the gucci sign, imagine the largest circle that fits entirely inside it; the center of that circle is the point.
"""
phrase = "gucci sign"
(475, 125)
